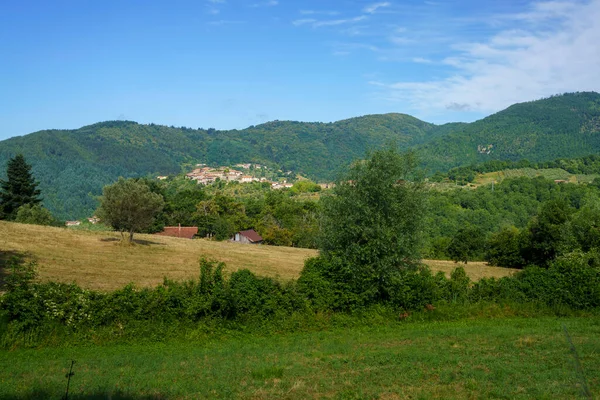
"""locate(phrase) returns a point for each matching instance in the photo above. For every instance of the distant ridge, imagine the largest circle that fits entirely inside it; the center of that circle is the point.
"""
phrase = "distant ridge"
(73, 165)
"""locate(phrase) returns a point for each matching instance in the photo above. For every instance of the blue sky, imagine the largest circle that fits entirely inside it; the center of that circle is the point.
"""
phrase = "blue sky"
(230, 63)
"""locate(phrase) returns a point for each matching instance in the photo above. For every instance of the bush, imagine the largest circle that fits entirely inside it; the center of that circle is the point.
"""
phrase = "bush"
(34, 214)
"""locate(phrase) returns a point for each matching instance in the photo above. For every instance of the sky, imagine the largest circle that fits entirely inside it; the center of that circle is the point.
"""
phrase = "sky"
(229, 64)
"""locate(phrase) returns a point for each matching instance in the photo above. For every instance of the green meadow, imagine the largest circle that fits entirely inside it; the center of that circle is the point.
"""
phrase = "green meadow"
(508, 358)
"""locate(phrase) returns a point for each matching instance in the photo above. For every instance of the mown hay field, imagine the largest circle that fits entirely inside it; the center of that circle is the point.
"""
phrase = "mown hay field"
(97, 260)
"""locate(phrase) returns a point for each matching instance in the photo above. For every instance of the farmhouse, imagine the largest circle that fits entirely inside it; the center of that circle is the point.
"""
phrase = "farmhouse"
(187, 232)
(249, 236)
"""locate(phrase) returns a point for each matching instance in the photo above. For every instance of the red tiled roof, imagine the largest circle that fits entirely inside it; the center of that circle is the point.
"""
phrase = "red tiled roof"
(252, 235)
(187, 232)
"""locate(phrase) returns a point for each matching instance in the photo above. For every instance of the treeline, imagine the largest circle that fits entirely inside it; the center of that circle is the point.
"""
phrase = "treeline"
(287, 217)
(519, 222)
(294, 217)
(587, 165)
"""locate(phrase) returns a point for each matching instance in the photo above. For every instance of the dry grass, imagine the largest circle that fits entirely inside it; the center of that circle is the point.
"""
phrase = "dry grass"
(475, 269)
(97, 260)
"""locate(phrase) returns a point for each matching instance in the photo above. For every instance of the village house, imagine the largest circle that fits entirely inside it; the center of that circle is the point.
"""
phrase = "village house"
(249, 236)
(284, 185)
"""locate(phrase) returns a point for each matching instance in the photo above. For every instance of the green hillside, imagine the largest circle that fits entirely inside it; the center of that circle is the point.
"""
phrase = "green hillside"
(73, 165)
(563, 126)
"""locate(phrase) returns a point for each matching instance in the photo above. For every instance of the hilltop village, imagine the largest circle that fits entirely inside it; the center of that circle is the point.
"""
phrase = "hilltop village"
(207, 175)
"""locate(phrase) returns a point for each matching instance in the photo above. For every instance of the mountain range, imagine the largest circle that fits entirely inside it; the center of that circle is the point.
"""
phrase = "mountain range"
(72, 166)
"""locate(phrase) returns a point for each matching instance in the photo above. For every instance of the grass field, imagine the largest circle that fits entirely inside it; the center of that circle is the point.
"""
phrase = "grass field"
(548, 173)
(511, 358)
(97, 260)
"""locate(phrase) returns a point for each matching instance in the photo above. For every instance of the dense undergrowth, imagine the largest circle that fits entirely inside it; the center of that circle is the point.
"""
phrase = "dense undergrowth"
(41, 314)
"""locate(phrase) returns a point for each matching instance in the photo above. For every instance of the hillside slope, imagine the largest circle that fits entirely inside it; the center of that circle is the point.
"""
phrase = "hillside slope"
(96, 260)
(564, 126)
(73, 165)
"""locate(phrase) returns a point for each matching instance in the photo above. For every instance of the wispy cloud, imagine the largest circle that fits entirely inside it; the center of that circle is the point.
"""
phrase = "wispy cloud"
(332, 22)
(558, 52)
(371, 9)
(222, 22)
(213, 6)
(318, 12)
(269, 3)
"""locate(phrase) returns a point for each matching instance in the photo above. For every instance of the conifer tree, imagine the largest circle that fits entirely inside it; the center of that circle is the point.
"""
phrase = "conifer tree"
(18, 189)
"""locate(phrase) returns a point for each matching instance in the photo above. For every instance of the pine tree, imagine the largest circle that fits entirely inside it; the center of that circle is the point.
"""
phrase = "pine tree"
(18, 189)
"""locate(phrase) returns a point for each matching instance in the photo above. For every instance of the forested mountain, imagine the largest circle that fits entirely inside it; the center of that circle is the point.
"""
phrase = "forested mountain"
(563, 126)
(73, 165)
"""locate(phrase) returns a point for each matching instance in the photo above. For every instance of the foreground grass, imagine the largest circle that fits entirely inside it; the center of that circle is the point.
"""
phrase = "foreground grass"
(495, 358)
(96, 260)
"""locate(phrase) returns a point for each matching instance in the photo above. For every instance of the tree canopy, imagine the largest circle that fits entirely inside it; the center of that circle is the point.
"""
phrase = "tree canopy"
(129, 206)
(19, 188)
(372, 223)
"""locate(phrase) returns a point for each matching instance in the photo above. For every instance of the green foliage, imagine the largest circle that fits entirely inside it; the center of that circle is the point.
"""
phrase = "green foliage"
(572, 281)
(129, 206)
(513, 202)
(34, 309)
(372, 222)
(549, 233)
(466, 245)
(557, 127)
(18, 189)
(34, 214)
(71, 165)
(305, 187)
(504, 248)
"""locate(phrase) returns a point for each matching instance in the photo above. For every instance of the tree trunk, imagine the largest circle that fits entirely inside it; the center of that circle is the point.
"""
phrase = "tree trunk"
(131, 236)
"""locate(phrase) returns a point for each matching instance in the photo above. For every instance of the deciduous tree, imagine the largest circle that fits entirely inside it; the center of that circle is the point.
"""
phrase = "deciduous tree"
(129, 206)
(372, 223)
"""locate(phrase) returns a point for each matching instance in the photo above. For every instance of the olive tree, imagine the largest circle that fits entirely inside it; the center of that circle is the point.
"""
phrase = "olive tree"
(129, 206)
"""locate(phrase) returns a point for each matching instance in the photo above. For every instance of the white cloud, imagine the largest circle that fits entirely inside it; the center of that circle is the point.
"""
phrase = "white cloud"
(304, 21)
(373, 7)
(333, 22)
(269, 3)
(421, 60)
(318, 12)
(213, 4)
(558, 52)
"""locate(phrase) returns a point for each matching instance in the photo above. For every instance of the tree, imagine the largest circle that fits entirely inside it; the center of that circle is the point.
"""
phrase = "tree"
(34, 214)
(129, 206)
(549, 233)
(372, 224)
(466, 245)
(18, 189)
(504, 248)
